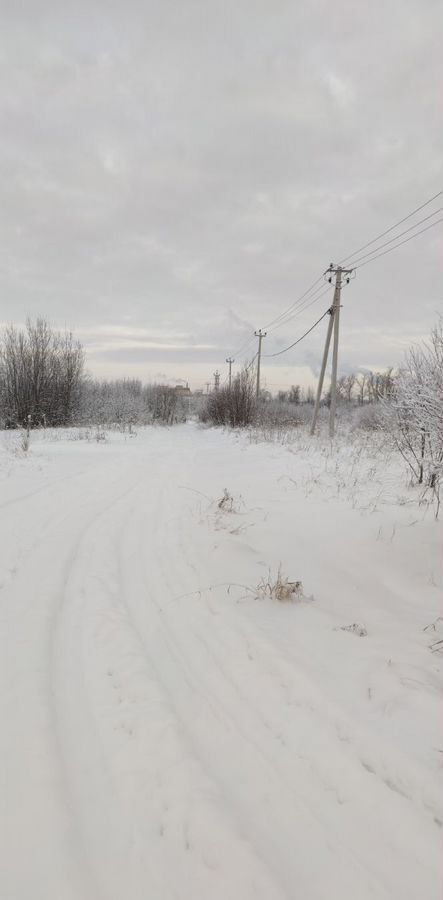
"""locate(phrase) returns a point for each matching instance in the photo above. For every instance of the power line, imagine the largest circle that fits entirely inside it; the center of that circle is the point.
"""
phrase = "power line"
(371, 259)
(295, 302)
(391, 228)
(283, 318)
(244, 346)
(406, 241)
(310, 302)
(311, 296)
(284, 314)
(252, 362)
(391, 241)
(271, 355)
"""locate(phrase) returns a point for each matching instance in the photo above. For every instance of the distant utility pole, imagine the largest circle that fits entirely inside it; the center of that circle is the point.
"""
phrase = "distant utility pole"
(334, 323)
(230, 360)
(216, 381)
(207, 386)
(260, 334)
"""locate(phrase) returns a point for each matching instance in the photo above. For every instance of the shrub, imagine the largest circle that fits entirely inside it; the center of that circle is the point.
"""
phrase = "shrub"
(234, 406)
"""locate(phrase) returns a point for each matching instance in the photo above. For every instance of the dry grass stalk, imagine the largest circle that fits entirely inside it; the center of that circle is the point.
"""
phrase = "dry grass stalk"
(280, 588)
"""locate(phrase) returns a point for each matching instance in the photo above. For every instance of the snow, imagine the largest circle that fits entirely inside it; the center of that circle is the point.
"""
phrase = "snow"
(167, 731)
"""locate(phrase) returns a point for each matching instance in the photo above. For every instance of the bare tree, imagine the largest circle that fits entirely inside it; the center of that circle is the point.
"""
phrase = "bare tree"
(294, 395)
(345, 386)
(41, 372)
(361, 385)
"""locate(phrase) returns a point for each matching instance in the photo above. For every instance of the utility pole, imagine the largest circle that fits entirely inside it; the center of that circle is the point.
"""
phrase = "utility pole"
(260, 334)
(334, 323)
(323, 368)
(230, 360)
(216, 381)
(337, 297)
(207, 386)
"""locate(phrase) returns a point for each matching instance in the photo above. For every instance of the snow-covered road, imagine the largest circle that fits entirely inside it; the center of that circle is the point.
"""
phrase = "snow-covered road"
(167, 736)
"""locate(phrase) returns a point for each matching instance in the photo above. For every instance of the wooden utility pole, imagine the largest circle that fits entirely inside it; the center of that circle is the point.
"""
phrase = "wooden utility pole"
(230, 360)
(336, 306)
(334, 322)
(260, 334)
(322, 370)
(216, 381)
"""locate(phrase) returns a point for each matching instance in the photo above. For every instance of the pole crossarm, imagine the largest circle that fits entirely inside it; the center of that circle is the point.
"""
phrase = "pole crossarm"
(333, 270)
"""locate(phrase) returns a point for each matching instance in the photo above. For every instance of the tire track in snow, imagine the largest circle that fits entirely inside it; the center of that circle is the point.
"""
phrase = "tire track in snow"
(226, 718)
(40, 826)
(217, 724)
(151, 754)
(156, 821)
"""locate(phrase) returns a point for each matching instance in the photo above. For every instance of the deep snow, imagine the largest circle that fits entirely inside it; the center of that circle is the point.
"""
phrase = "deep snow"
(166, 733)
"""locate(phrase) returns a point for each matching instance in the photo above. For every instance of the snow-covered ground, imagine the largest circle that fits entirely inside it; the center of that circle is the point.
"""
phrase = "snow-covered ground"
(170, 732)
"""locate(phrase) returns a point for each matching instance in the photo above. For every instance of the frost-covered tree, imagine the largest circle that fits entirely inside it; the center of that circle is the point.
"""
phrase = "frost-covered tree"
(41, 373)
(120, 403)
(416, 410)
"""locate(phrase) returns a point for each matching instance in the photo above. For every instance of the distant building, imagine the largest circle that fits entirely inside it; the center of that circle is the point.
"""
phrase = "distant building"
(182, 391)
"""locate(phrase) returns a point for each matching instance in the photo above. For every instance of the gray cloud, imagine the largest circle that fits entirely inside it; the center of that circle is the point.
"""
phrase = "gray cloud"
(189, 168)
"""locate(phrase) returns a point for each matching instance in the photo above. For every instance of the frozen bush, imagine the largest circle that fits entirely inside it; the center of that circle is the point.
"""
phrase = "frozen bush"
(368, 417)
(234, 406)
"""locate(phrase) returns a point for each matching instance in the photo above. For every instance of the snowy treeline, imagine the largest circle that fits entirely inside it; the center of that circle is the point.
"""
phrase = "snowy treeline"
(126, 402)
(43, 383)
(355, 387)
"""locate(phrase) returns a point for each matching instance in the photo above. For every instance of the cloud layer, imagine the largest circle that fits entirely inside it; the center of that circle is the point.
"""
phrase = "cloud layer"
(174, 174)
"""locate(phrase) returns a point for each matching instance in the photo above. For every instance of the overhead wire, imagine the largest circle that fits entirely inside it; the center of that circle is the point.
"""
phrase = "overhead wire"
(280, 352)
(251, 363)
(391, 228)
(292, 309)
(309, 302)
(397, 236)
(294, 344)
(294, 304)
(400, 244)
(314, 293)
(372, 255)
(243, 347)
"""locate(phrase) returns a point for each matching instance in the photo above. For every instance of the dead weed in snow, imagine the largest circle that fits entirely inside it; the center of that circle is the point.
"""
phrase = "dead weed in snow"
(279, 588)
(230, 504)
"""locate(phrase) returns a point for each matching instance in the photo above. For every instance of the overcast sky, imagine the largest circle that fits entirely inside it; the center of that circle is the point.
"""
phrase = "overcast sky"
(175, 173)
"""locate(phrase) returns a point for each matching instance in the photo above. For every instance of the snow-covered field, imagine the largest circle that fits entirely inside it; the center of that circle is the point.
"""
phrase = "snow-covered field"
(168, 731)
